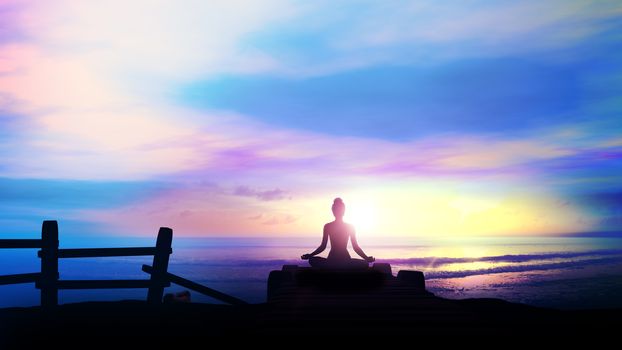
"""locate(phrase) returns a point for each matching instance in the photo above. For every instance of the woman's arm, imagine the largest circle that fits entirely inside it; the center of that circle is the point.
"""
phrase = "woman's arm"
(357, 248)
(320, 248)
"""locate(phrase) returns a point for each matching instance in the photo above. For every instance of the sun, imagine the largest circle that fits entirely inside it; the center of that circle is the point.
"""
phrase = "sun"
(364, 217)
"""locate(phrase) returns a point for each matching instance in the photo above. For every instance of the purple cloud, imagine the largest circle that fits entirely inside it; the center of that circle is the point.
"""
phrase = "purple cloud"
(255, 217)
(266, 196)
(432, 171)
(279, 220)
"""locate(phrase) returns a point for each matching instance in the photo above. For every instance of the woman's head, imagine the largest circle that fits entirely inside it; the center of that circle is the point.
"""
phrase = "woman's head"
(339, 209)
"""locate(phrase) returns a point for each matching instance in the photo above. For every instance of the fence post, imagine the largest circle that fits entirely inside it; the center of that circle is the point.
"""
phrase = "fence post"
(160, 265)
(49, 264)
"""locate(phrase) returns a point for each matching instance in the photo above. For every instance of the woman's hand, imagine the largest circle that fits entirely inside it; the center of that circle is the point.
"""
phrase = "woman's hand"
(305, 256)
(370, 259)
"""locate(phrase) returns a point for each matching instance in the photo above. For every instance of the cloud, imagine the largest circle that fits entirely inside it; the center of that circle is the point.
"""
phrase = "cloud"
(405, 102)
(255, 217)
(169, 39)
(266, 195)
(74, 194)
(488, 22)
(193, 209)
(14, 16)
(7, 125)
(279, 220)
(611, 200)
(91, 80)
(426, 32)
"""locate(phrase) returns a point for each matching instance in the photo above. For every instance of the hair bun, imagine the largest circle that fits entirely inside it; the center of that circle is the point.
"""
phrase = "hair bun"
(338, 200)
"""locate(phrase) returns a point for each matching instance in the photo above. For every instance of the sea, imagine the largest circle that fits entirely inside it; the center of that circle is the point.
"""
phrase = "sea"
(558, 272)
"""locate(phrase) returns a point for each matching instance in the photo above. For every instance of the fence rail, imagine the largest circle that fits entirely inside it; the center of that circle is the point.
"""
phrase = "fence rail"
(103, 284)
(106, 252)
(20, 243)
(48, 281)
(20, 278)
(199, 288)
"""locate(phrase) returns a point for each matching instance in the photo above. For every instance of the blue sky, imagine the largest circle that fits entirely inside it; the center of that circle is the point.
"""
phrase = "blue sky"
(247, 118)
(402, 103)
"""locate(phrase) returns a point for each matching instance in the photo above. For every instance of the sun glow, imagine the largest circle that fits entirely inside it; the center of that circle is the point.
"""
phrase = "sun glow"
(364, 216)
(442, 210)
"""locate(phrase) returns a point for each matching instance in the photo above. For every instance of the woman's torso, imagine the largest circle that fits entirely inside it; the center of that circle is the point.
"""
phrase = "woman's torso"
(339, 234)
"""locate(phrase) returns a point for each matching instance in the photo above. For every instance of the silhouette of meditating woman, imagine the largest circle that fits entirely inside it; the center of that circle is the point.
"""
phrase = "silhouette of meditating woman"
(339, 232)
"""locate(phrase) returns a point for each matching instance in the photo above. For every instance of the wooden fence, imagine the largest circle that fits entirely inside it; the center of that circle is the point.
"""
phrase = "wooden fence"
(49, 282)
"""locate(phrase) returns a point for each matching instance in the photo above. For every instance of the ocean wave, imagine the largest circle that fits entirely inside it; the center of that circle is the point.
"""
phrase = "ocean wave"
(576, 264)
(432, 262)
(427, 262)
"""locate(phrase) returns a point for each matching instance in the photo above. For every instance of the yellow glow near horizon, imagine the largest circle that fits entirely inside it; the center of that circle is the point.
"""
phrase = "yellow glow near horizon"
(438, 211)
(422, 209)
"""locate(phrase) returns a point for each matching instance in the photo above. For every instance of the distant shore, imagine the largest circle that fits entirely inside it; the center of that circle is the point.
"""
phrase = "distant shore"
(191, 322)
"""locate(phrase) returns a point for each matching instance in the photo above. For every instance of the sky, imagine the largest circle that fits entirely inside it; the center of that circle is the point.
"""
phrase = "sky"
(246, 118)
